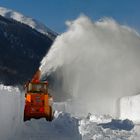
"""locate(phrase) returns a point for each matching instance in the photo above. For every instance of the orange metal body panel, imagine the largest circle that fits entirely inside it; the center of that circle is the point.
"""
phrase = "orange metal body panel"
(37, 105)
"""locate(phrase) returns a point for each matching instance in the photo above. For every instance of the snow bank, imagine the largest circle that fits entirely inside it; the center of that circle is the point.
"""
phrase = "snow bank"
(10, 111)
(64, 127)
(130, 108)
(12, 126)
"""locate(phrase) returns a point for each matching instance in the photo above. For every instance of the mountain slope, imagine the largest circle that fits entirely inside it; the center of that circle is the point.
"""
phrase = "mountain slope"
(21, 50)
(28, 21)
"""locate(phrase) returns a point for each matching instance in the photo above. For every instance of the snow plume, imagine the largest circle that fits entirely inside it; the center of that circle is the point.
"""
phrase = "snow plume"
(97, 63)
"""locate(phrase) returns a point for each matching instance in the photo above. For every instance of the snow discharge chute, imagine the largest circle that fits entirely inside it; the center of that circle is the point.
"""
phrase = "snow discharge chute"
(97, 63)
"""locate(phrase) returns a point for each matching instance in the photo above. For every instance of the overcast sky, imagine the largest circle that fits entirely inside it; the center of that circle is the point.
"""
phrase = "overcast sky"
(54, 13)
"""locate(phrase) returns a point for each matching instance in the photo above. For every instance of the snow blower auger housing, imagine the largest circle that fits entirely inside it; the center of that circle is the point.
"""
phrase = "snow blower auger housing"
(38, 102)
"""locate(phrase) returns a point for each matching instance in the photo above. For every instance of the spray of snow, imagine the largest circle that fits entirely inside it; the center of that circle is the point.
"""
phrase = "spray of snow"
(98, 63)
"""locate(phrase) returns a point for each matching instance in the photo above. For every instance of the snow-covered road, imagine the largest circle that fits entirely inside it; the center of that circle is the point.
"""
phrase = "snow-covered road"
(63, 127)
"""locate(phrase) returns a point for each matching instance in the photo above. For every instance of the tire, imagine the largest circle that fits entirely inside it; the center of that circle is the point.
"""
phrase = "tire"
(50, 117)
(26, 119)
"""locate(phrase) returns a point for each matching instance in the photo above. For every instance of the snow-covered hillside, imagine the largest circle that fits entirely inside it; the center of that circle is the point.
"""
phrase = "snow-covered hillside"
(64, 126)
(29, 21)
(25, 45)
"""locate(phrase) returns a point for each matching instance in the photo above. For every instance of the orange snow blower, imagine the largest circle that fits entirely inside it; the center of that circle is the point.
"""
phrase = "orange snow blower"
(38, 102)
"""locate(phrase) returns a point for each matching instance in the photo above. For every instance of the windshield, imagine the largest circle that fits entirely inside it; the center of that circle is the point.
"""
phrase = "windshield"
(39, 88)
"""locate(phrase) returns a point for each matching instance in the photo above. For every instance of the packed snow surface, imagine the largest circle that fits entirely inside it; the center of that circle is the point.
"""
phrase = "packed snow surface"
(64, 126)
(27, 20)
(96, 63)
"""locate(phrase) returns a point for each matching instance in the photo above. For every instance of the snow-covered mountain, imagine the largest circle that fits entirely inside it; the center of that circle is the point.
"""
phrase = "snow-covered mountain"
(21, 50)
(8, 13)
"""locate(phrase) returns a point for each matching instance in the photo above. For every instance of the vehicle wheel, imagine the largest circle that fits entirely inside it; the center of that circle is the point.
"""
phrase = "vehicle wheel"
(50, 117)
(26, 119)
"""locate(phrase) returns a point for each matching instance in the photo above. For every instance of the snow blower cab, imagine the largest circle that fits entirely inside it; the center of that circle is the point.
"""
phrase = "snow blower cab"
(38, 102)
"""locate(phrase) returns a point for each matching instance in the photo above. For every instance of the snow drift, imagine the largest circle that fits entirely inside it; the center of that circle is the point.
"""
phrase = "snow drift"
(97, 62)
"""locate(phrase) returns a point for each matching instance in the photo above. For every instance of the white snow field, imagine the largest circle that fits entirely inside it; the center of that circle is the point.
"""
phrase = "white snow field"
(63, 127)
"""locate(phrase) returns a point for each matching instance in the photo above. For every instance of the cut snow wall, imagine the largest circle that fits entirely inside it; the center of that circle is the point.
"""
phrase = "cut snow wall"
(130, 108)
(10, 112)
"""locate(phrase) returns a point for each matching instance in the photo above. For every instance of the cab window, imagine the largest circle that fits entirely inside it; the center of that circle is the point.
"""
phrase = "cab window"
(39, 88)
